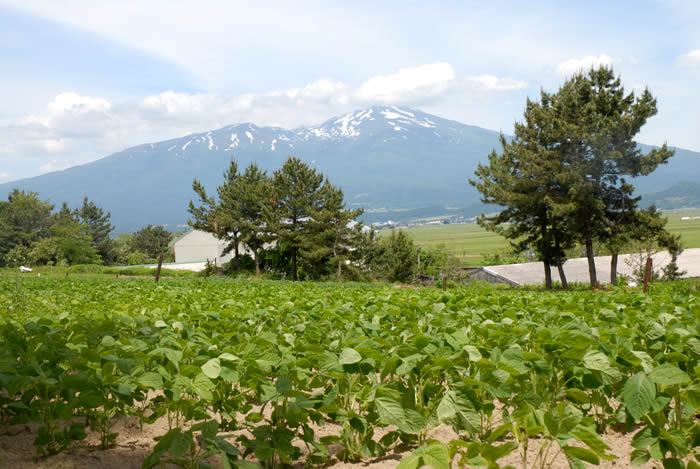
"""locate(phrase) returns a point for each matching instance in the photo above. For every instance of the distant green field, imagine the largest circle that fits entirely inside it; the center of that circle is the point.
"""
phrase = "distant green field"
(471, 242)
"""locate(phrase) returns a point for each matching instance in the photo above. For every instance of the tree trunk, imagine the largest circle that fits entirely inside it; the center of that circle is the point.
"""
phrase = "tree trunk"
(236, 254)
(335, 253)
(613, 269)
(294, 263)
(547, 276)
(562, 275)
(591, 262)
(256, 255)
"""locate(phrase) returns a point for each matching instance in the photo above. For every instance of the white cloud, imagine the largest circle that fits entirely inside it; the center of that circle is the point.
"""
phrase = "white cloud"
(425, 80)
(4, 176)
(691, 58)
(491, 82)
(576, 65)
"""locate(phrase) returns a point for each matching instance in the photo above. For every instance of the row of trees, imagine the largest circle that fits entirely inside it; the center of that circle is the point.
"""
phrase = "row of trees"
(296, 221)
(32, 233)
(562, 178)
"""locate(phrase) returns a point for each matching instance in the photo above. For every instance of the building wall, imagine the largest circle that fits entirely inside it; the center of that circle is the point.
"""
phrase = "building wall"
(198, 246)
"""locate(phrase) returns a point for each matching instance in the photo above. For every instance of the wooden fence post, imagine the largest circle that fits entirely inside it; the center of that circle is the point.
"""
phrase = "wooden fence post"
(647, 274)
(160, 263)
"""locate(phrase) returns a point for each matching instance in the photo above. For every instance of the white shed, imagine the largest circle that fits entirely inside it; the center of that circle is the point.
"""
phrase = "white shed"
(200, 246)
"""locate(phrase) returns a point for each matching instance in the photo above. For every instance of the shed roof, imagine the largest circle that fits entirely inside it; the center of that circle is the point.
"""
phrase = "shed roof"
(576, 270)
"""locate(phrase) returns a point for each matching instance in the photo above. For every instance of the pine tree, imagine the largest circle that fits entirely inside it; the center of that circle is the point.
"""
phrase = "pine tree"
(220, 219)
(333, 230)
(530, 179)
(99, 228)
(254, 190)
(296, 195)
(602, 122)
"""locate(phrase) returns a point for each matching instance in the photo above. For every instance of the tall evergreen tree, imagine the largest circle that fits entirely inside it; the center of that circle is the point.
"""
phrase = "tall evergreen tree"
(530, 179)
(602, 123)
(254, 190)
(333, 231)
(221, 219)
(99, 229)
(297, 195)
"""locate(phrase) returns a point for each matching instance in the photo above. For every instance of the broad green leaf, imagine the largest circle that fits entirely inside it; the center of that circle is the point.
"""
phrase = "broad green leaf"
(639, 394)
(203, 386)
(639, 457)
(151, 380)
(474, 354)
(582, 454)
(212, 368)
(349, 356)
(669, 375)
(595, 360)
(181, 444)
(433, 454)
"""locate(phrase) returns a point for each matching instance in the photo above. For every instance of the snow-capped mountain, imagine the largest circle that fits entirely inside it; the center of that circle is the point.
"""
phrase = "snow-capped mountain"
(384, 158)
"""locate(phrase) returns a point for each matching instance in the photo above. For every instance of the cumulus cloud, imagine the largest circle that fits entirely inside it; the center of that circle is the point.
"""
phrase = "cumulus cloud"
(426, 80)
(493, 83)
(576, 65)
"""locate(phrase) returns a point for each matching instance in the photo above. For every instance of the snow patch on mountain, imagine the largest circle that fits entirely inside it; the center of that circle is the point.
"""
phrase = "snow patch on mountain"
(249, 135)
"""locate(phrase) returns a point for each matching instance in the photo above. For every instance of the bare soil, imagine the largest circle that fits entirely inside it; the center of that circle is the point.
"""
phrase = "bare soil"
(17, 450)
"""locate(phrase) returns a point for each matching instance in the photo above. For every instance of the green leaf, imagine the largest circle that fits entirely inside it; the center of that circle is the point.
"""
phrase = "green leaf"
(673, 463)
(474, 354)
(639, 457)
(391, 412)
(639, 394)
(433, 454)
(349, 356)
(669, 375)
(181, 444)
(595, 360)
(593, 441)
(582, 453)
(151, 380)
(212, 368)
(202, 386)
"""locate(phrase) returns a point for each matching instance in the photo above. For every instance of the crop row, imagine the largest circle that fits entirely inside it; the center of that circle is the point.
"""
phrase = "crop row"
(249, 370)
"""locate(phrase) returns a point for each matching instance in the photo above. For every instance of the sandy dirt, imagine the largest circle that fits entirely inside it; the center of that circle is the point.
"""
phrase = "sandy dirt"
(17, 450)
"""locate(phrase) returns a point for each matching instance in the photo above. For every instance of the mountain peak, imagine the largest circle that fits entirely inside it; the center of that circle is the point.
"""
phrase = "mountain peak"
(369, 119)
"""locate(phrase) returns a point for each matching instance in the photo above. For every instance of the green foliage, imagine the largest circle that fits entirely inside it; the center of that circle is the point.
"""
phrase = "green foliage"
(99, 229)
(30, 233)
(151, 241)
(562, 176)
(395, 258)
(249, 369)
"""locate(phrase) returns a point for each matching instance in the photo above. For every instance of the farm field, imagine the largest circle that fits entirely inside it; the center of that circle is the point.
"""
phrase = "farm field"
(470, 241)
(276, 374)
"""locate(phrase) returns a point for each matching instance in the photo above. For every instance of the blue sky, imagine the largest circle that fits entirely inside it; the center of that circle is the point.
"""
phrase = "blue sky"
(83, 79)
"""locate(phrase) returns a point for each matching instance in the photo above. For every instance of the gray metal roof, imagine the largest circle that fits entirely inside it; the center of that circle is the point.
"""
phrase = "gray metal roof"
(576, 270)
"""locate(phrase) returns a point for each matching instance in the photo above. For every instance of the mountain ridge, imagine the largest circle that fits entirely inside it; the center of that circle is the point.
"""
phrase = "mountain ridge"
(384, 157)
